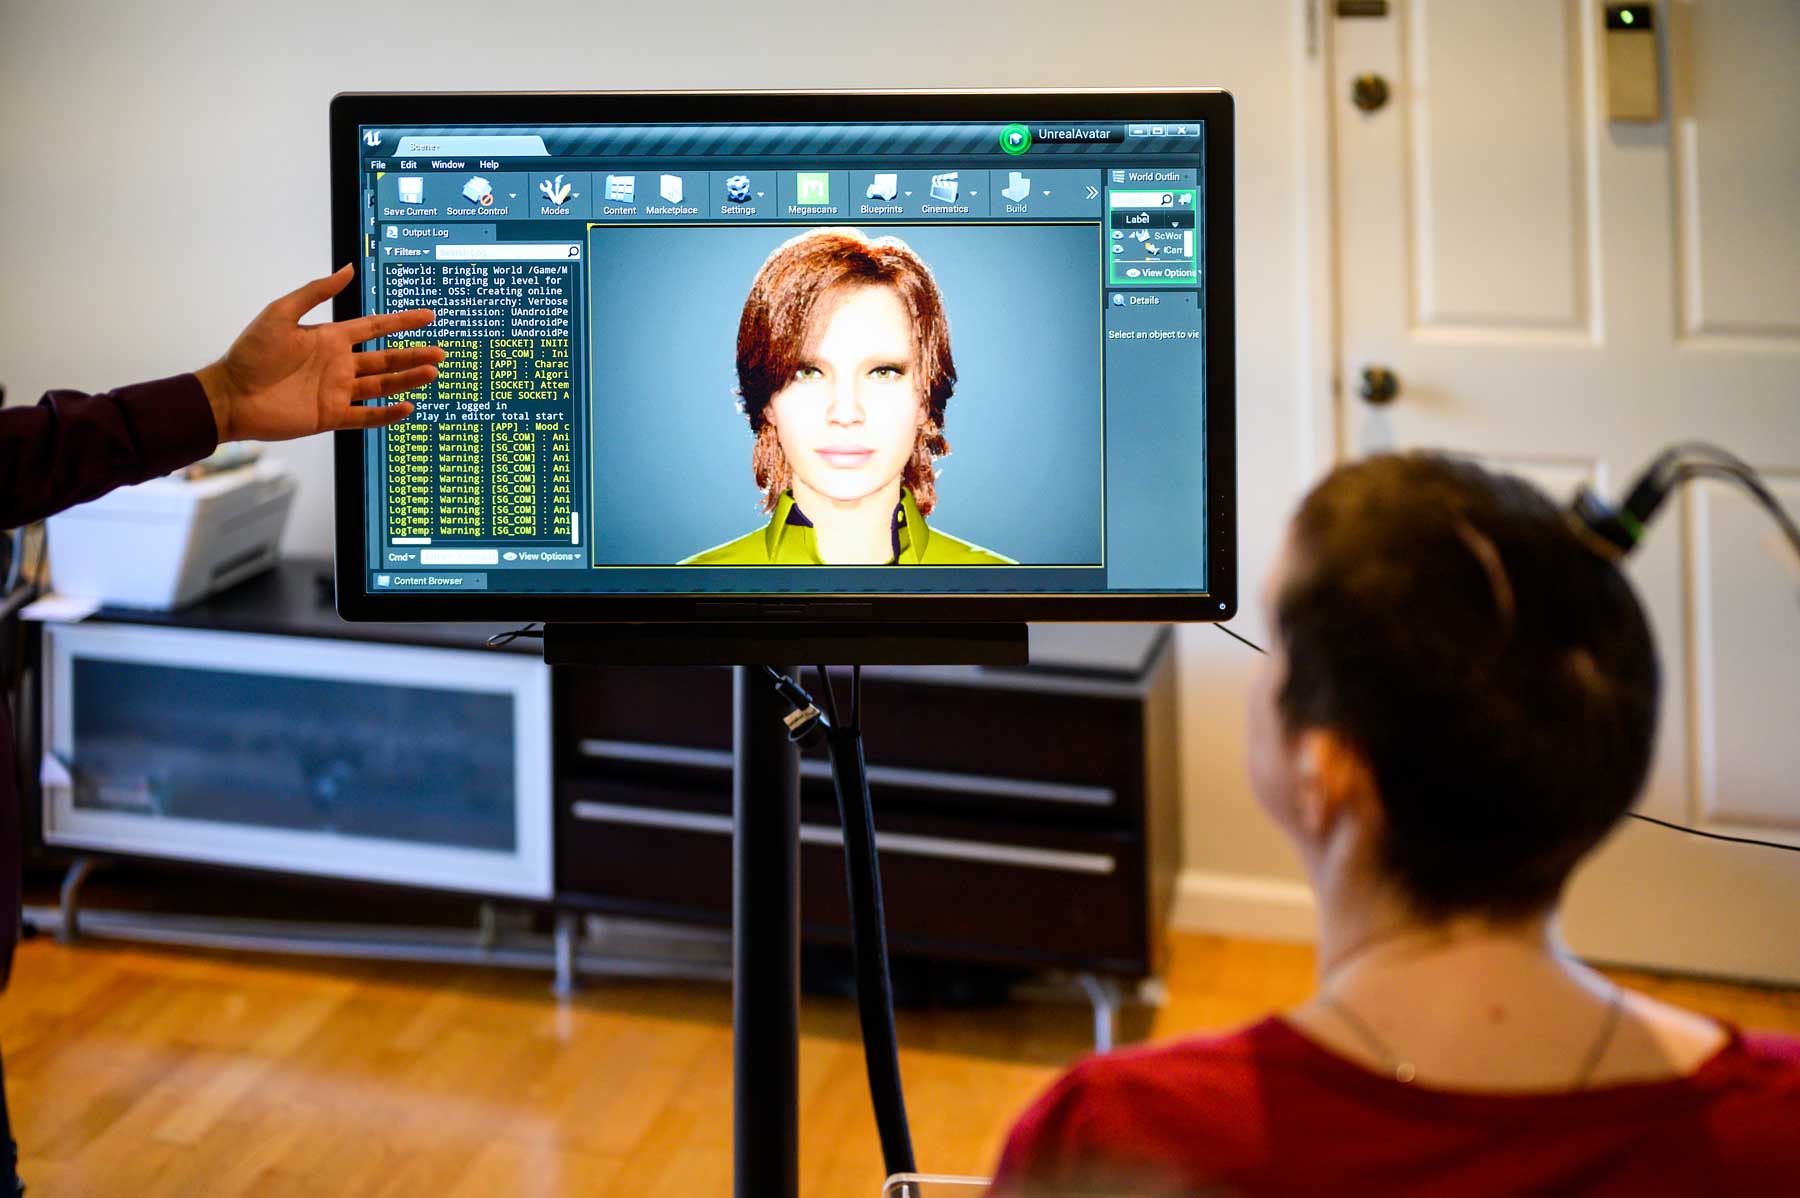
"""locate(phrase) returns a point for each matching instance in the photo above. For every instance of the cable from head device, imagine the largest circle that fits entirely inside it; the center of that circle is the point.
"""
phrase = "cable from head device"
(1615, 531)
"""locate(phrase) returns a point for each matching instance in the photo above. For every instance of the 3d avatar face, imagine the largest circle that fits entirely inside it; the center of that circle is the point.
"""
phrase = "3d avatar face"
(849, 420)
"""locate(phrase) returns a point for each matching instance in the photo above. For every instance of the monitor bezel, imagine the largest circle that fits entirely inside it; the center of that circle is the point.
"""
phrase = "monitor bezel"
(1212, 107)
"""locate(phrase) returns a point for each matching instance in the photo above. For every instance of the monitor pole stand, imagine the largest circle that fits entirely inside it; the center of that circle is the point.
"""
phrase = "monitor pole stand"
(765, 839)
(765, 933)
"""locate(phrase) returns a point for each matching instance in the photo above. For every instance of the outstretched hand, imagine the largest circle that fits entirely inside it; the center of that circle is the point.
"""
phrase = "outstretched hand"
(282, 379)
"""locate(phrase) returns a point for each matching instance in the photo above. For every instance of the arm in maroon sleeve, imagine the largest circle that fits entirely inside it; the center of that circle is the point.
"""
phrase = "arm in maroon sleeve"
(71, 447)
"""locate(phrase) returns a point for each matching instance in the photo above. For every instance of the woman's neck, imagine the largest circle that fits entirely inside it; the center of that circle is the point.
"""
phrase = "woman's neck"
(857, 532)
(1481, 1004)
(1380, 929)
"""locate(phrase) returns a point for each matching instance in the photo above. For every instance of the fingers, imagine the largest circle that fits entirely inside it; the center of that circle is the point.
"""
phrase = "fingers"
(383, 324)
(299, 302)
(387, 361)
(380, 386)
(381, 417)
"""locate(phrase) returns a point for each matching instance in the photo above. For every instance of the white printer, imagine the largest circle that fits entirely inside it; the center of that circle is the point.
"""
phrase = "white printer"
(172, 541)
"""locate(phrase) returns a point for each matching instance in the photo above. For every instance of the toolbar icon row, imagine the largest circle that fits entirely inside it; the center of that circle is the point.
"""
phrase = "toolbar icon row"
(748, 195)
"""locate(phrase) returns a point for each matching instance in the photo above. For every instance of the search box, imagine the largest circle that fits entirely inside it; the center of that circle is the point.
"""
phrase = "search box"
(513, 252)
(1141, 199)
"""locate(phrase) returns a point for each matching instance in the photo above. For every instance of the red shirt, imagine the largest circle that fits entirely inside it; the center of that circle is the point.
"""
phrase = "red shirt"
(1266, 1111)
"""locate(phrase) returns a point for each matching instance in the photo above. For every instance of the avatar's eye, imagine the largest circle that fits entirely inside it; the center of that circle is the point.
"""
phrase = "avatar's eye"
(888, 372)
(808, 372)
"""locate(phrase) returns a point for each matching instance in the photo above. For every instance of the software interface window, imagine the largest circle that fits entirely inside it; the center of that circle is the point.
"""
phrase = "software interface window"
(607, 296)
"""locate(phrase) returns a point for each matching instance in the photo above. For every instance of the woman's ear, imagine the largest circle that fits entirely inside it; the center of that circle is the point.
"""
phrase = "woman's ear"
(1312, 803)
(1334, 780)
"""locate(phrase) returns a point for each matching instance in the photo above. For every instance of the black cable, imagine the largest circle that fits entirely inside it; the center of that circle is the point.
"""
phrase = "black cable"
(1745, 477)
(1237, 636)
(869, 953)
(513, 634)
(1653, 486)
(862, 879)
(831, 707)
(856, 699)
(1663, 823)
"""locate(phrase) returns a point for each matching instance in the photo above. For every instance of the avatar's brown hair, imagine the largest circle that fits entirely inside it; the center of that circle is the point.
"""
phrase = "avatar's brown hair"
(778, 314)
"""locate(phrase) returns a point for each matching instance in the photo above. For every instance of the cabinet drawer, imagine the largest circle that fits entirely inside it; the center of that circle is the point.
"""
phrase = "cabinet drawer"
(889, 786)
(1074, 754)
(952, 887)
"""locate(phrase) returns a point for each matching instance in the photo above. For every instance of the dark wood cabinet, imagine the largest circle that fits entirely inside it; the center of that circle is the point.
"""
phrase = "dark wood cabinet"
(1026, 817)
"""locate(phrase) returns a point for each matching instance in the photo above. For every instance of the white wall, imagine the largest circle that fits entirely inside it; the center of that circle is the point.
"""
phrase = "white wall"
(163, 174)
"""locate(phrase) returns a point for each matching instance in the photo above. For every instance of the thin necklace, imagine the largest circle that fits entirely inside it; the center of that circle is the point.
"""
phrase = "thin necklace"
(1405, 1071)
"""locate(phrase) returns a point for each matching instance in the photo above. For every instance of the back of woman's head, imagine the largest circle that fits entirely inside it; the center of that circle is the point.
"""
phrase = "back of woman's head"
(1497, 674)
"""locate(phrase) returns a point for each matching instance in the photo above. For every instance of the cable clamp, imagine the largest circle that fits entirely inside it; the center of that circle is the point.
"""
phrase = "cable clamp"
(797, 721)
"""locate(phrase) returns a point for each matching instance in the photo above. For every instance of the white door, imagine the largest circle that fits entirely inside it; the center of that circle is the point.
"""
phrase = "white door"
(1564, 294)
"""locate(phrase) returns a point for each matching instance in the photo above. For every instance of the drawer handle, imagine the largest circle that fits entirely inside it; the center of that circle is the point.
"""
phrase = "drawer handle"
(902, 843)
(879, 775)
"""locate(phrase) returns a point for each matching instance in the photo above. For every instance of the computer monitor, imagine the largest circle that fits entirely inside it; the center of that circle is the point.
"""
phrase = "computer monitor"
(895, 357)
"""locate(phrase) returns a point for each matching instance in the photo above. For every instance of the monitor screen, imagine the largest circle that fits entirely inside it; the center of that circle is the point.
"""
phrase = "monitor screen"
(959, 356)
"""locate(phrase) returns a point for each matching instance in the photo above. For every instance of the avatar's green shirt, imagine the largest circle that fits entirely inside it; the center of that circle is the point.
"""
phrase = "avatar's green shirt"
(790, 540)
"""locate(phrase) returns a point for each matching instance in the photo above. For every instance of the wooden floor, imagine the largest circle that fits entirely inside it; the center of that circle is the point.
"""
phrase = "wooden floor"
(162, 1072)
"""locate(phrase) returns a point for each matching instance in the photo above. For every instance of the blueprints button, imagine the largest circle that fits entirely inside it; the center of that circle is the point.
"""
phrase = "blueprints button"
(434, 581)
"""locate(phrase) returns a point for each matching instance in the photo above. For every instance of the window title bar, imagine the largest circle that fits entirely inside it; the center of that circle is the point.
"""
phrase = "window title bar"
(1033, 139)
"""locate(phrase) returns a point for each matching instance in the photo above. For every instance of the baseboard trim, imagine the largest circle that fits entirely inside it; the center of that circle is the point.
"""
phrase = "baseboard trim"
(1247, 905)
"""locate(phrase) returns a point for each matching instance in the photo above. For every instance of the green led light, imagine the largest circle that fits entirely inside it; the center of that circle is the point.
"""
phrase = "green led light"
(1627, 17)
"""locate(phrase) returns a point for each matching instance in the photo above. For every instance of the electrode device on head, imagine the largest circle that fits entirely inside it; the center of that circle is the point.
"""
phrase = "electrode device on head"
(1615, 532)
